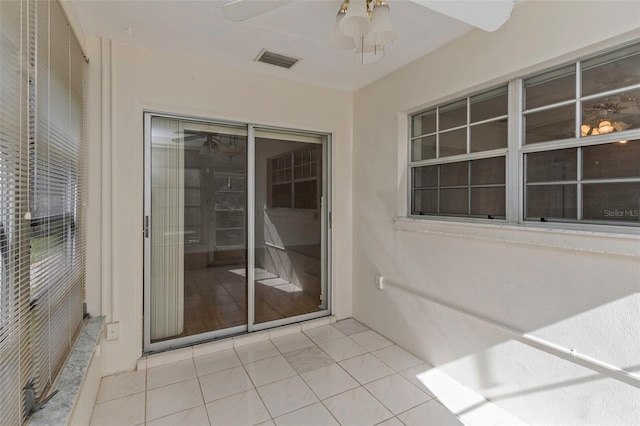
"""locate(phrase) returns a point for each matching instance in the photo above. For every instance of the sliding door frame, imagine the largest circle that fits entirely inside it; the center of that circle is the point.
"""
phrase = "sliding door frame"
(325, 224)
(326, 237)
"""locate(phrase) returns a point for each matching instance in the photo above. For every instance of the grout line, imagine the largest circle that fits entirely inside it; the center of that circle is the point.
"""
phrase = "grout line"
(204, 401)
(322, 402)
(254, 385)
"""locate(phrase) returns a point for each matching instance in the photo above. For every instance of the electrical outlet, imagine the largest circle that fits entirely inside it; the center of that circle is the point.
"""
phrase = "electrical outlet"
(113, 331)
(379, 282)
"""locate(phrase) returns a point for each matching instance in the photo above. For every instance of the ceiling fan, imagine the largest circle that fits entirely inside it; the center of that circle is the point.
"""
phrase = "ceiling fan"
(214, 143)
(487, 15)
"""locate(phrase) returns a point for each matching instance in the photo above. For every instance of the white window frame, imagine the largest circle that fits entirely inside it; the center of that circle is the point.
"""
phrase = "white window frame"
(516, 150)
(469, 156)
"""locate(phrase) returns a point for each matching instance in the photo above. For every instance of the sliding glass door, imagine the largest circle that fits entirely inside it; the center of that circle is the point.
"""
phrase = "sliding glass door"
(235, 229)
(288, 243)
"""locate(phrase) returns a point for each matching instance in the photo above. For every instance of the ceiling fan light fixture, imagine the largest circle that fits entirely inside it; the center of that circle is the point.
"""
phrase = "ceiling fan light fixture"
(605, 127)
(356, 22)
(338, 40)
(585, 129)
(382, 29)
(621, 126)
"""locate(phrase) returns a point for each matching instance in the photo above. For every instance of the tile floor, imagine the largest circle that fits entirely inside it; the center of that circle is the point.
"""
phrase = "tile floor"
(340, 374)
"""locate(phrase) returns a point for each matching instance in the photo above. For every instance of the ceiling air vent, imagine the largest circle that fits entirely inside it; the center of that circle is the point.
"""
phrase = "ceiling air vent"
(276, 59)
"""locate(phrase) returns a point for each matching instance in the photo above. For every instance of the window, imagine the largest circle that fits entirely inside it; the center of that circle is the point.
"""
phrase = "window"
(458, 153)
(42, 178)
(581, 150)
(192, 207)
(294, 179)
(576, 136)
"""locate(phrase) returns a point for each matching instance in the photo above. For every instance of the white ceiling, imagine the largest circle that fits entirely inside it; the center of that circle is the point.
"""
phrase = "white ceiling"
(297, 29)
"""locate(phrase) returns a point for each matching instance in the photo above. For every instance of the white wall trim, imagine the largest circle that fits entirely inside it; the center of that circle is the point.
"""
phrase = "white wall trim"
(593, 242)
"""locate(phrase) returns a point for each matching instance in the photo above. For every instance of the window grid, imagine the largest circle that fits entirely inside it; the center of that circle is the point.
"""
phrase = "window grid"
(296, 173)
(580, 141)
(436, 131)
(519, 148)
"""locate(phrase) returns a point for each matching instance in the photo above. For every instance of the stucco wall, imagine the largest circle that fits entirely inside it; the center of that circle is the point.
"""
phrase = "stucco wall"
(578, 290)
(125, 81)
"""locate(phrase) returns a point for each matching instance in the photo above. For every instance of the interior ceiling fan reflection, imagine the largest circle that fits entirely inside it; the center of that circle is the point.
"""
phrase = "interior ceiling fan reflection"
(605, 117)
(214, 143)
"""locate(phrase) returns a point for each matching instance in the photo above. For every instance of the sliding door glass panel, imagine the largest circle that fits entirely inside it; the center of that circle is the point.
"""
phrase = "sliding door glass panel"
(289, 279)
(197, 280)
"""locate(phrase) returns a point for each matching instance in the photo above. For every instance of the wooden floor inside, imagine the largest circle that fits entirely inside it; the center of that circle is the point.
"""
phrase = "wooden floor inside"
(216, 298)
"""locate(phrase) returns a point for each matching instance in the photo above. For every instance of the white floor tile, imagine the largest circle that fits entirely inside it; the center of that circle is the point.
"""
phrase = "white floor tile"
(170, 373)
(391, 422)
(173, 398)
(211, 347)
(350, 326)
(169, 357)
(394, 381)
(312, 415)
(192, 417)
(126, 411)
(292, 342)
(430, 413)
(256, 351)
(366, 368)
(242, 409)
(397, 393)
(216, 361)
(269, 370)
(286, 395)
(251, 338)
(329, 381)
(119, 385)
(483, 414)
(324, 334)
(341, 349)
(397, 358)
(224, 383)
(429, 379)
(370, 340)
(284, 331)
(308, 359)
(315, 323)
(357, 407)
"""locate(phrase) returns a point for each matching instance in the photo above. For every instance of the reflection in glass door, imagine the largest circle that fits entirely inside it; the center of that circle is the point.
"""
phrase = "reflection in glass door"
(289, 255)
(196, 230)
(235, 229)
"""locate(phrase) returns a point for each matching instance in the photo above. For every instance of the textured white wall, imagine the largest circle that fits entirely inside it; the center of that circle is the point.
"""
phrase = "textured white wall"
(577, 290)
(126, 81)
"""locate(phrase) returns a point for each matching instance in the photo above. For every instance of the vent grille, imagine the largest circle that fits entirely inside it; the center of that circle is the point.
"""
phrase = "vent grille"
(276, 59)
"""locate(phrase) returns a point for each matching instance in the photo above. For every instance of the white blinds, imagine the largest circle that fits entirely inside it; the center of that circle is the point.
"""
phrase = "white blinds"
(15, 356)
(42, 182)
(167, 230)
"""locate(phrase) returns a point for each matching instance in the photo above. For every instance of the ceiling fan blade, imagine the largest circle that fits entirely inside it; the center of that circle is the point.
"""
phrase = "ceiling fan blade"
(189, 138)
(241, 10)
(487, 15)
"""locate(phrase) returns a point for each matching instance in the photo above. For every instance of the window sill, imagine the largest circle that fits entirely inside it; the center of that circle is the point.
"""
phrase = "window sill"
(58, 411)
(612, 242)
